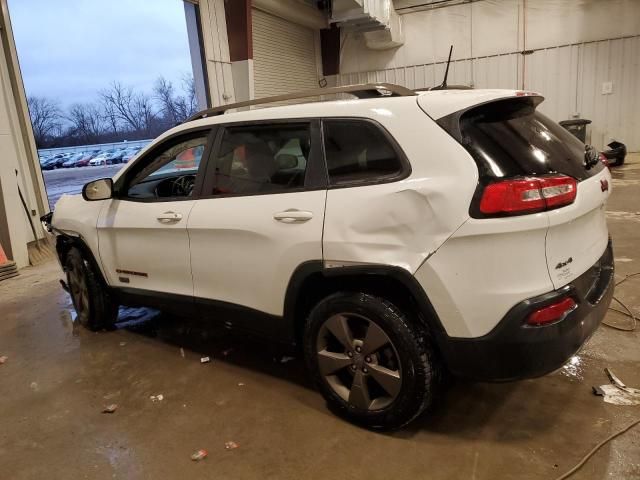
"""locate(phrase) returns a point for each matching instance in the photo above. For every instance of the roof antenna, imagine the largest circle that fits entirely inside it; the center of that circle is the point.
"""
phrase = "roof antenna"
(443, 85)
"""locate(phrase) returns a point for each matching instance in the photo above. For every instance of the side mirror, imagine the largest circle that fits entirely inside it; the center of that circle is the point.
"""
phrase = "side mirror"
(98, 190)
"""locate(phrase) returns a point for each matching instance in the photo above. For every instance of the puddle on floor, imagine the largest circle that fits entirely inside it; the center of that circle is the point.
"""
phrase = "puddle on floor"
(574, 368)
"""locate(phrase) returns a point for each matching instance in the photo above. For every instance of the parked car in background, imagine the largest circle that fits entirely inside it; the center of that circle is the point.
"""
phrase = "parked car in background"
(72, 160)
(130, 153)
(116, 156)
(103, 158)
(84, 161)
(56, 161)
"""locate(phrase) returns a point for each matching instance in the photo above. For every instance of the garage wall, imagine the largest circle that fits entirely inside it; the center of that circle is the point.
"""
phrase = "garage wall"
(573, 47)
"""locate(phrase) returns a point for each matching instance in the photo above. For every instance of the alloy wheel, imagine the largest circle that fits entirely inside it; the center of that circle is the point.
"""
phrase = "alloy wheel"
(359, 361)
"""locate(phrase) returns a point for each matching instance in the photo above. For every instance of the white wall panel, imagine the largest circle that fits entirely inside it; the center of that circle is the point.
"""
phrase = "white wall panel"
(575, 46)
(563, 22)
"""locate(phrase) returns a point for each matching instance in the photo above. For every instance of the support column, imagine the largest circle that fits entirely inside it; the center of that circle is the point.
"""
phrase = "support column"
(196, 49)
(238, 19)
(214, 42)
(17, 153)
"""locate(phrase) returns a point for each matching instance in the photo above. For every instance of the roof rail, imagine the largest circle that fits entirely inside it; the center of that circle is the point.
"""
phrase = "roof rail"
(365, 90)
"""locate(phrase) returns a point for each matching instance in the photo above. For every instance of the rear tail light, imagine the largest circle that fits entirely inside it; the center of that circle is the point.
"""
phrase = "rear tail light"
(551, 313)
(528, 195)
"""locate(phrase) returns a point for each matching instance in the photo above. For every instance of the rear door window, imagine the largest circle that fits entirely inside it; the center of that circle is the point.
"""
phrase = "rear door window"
(261, 159)
(510, 138)
(358, 151)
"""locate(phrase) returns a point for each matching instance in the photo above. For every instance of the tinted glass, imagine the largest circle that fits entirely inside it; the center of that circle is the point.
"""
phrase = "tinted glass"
(262, 159)
(509, 138)
(171, 173)
(358, 151)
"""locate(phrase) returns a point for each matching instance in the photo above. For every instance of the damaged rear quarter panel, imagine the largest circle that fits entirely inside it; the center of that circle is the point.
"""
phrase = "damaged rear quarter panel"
(403, 222)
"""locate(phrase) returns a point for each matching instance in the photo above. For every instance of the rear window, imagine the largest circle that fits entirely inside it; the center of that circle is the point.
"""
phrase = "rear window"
(359, 151)
(510, 138)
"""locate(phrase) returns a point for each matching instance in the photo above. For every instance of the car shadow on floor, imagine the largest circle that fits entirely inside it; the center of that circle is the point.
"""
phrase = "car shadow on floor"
(217, 342)
(462, 410)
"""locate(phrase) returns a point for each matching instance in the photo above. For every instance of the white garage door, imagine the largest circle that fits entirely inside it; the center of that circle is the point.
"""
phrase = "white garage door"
(284, 56)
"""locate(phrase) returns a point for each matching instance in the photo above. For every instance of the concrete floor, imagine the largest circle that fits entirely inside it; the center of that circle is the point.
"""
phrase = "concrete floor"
(58, 378)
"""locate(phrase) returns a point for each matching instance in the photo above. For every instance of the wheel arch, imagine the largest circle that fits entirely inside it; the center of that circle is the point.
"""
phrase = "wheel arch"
(65, 242)
(311, 282)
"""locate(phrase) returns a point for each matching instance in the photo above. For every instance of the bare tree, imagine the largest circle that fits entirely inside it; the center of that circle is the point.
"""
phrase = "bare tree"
(189, 86)
(87, 121)
(45, 117)
(134, 109)
(110, 116)
(163, 93)
(174, 107)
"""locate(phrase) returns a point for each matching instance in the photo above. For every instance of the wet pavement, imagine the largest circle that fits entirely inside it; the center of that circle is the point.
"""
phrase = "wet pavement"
(58, 378)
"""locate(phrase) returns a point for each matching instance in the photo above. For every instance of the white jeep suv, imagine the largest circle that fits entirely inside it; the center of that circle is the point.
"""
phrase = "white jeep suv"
(391, 237)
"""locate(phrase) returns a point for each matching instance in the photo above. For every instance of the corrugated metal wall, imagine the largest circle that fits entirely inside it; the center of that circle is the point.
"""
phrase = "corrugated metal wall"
(570, 77)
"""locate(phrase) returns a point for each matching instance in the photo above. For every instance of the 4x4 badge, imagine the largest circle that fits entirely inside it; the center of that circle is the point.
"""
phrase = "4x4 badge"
(604, 185)
(564, 264)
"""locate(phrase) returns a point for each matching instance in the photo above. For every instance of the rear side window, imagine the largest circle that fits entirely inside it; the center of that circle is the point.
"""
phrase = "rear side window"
(510, 138)
(262, 159)
(357, 151)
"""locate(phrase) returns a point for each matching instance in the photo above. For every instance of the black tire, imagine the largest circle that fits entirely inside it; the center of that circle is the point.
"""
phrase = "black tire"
(415, 363)
(95, 309)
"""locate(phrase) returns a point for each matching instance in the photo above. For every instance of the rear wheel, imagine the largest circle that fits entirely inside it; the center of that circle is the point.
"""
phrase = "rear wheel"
(95, 309)
(372, 363)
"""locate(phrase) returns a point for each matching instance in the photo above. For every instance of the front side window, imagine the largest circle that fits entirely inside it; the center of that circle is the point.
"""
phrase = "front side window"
(262, 159)
(358, 151)
(170, 173)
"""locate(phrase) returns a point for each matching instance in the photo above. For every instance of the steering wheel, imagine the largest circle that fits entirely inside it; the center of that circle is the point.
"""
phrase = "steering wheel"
(183, 186)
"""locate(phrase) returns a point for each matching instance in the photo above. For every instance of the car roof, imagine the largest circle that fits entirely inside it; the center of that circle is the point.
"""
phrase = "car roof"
(437, 103)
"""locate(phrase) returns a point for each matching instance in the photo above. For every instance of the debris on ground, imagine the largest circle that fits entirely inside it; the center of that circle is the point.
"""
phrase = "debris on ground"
(182, 352)
(3, 359)
(225, 353)
(199, 455)
(617, 393)
(286, 359)
(205, 360)
(110, 408)
(156, 398)
(34, 386)
(240, 384)
(230, 445)
(122, 344)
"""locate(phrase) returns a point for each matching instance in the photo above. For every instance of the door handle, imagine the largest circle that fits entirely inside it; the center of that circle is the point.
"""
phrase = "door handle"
(168, 217)
(293, 216)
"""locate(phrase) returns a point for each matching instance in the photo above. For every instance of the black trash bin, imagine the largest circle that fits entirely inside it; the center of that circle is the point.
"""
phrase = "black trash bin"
(577, 127)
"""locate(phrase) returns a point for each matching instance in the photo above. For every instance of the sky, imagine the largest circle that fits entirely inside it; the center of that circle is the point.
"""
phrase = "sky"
(71, 49)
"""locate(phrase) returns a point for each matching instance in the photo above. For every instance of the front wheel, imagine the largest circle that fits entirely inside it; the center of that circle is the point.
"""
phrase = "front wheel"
(93, 306)
(373, 364)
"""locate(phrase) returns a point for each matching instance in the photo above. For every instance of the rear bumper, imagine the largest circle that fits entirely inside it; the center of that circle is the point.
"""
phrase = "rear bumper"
(514, 350)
